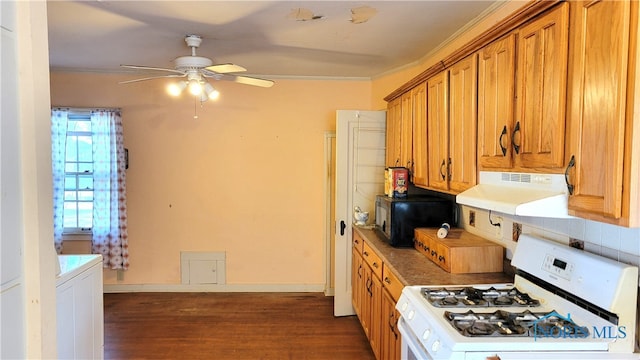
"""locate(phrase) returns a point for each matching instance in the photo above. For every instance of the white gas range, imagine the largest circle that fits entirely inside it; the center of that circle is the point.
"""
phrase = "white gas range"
(564, 303)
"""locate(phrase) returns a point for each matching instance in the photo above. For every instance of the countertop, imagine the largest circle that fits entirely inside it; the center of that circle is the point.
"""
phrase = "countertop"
(72, 265)
(413, 268)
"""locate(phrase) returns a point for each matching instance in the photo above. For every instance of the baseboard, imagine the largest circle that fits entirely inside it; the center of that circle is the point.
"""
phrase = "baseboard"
(124, 288)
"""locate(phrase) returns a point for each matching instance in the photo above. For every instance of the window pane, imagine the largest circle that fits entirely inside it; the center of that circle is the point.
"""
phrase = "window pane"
(85, 195)
(71, 152)
(85, 167)
(85, 214)
(70, 195)
(69, 216)
(71, 167)
(70, 182)
(85, 182)
(85, 149)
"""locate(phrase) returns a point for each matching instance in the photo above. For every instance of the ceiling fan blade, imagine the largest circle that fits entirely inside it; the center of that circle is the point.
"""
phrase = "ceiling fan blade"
(151, 78)
(247, 80)
(225, 68)
(140, 67)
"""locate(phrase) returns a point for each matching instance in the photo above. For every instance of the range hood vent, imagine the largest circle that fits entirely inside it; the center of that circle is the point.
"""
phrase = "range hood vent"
(540, 195)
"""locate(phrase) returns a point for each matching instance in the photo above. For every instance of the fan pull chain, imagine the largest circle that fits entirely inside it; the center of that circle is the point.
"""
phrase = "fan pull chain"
(195, 107)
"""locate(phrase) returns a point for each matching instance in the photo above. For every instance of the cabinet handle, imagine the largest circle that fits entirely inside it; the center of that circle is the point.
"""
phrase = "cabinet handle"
(360, 271)
(571, 164)
(441, 172)
(449, 170)
(343, 225)
(365, 253)
(387, 280)
(441, 258)
(375, 265)
(516, 147)
(434, 253)
(502, 147)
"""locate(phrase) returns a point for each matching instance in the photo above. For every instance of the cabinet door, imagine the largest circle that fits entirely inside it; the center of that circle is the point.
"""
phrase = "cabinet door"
(390, 347)
(420, 149)
(542, 67)
(406, 131)
(357, 282)
(462, 124)
(597, 103)
(496, 98)
(394, 118)
(375, 328)
(438, 131)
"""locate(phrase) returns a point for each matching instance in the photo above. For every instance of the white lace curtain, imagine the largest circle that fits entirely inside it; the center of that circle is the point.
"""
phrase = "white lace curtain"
(109, 229)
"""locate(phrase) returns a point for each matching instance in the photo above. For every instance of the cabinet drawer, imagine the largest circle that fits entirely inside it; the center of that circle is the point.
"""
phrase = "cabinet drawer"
(373, 260)
(391, 282)
(357, 241)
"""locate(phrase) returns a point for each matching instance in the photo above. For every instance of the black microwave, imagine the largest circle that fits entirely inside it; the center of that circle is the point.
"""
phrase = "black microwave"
(396, 219)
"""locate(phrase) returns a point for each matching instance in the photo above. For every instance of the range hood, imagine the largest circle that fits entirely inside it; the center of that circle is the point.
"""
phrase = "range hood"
(524, 194)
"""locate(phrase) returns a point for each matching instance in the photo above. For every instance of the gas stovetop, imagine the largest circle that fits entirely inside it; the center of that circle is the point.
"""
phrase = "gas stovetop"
(473, 297)
(506, 323)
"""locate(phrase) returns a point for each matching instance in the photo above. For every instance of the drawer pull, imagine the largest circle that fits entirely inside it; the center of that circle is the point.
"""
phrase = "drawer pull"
(375, 265)
(441, 258)
(387, 280)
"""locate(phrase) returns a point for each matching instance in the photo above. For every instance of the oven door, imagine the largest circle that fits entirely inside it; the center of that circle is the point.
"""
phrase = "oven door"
(411, 348)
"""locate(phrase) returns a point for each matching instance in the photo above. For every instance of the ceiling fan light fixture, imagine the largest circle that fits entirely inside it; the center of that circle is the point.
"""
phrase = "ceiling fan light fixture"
(195, 88)
(176, 88)
(211, 92)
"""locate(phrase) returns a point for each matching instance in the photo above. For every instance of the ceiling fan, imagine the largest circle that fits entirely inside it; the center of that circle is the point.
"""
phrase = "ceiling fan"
(196, 69)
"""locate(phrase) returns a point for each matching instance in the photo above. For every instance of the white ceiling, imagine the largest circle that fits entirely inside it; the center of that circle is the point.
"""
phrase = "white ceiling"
(262, 36)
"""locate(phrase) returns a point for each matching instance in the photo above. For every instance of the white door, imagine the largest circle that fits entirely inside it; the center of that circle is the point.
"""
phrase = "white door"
(360, 160)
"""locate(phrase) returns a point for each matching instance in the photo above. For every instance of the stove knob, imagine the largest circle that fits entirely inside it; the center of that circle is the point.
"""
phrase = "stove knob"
(426, 334)
(435, 346)
(411, 314)
(404, 306)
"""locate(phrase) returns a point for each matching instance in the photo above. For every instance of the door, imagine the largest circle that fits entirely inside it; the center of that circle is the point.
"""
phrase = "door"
(360, 162)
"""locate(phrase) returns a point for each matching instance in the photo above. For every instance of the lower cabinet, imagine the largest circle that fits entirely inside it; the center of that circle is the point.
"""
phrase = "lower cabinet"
(374, 295)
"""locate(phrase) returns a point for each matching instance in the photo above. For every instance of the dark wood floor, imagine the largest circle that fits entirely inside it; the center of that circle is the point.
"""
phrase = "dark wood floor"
(229, 326)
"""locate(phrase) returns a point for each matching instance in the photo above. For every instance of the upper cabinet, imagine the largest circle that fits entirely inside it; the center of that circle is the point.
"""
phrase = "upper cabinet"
(496, 99)
(603, 148)
(420, 149)
(400, 132)
(451, 127)
(538, 135)
(532, 135)
(394, 124)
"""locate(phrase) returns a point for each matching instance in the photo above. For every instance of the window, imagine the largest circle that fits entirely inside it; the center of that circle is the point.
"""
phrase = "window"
(89, 181)
(78, 178)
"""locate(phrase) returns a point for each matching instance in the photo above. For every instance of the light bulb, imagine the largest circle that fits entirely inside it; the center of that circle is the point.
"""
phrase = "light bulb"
(195, 88)
(211, 92)
(175, 89)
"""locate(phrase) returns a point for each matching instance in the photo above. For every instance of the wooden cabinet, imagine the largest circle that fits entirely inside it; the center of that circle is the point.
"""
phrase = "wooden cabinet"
(375, 291)
(391, 341)
(406, 132)
(420, 149)
(531, 135)
(451, 127)
(603, 151)
(496, 100)
(394, 124)
(538, 135)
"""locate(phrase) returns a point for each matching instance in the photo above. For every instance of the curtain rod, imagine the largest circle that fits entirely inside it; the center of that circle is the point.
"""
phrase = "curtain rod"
(73, 109)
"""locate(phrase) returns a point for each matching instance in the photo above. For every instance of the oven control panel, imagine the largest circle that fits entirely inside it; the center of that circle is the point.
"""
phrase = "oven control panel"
(558, 267)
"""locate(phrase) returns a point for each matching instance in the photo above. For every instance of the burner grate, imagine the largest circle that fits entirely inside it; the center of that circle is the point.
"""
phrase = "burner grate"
(504, 323)
(471, 296)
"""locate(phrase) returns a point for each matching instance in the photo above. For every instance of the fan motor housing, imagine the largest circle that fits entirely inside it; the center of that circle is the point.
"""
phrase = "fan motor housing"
(192, 62)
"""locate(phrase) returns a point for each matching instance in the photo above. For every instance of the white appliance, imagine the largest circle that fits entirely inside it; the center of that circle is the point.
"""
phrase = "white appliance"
(564, 304)
(541, 195)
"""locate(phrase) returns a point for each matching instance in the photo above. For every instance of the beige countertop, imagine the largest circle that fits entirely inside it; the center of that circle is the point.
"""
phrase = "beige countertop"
(413, 268)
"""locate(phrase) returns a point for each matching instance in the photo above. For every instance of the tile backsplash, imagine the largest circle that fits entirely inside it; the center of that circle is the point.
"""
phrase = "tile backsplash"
(614, 242)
